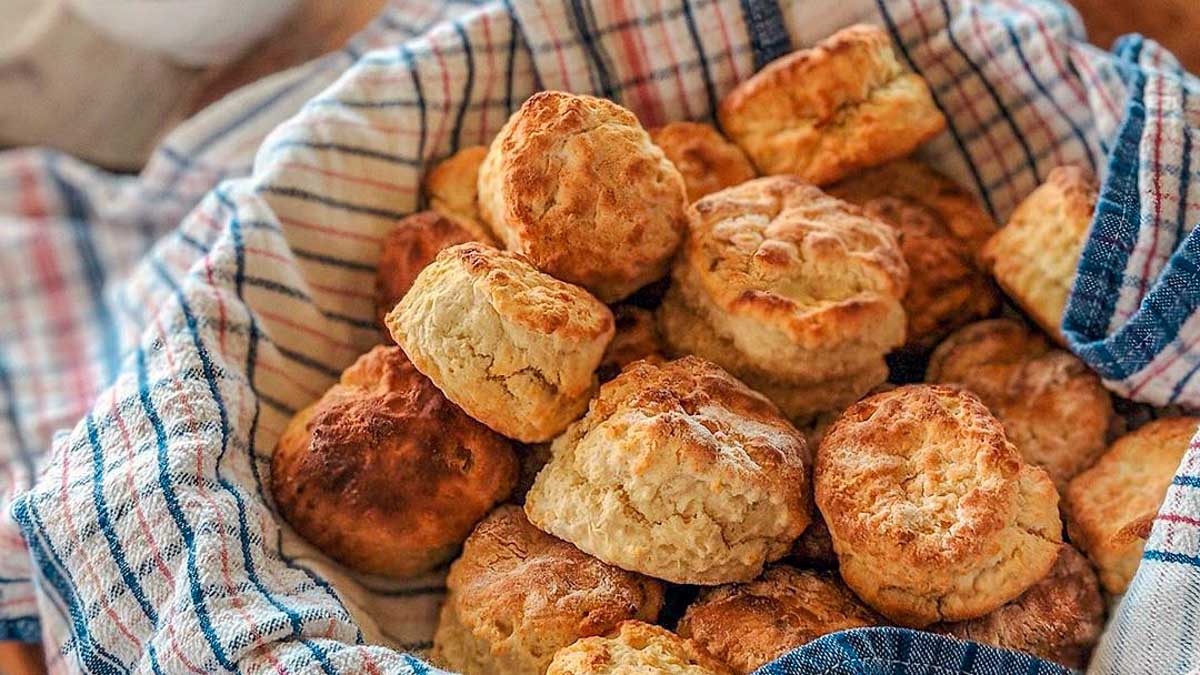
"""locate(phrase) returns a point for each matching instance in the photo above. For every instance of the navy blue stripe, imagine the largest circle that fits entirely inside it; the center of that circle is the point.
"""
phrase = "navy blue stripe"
(1172, 557)
(967, 662)
(421, 111)
(1186, 481)
(1185, 164)
(333, 261)
(307, 196)
(950, 125)
(514, 32)
(21, 629)
(20, 443)
(903, 647)
(768, 31)
(598, 73)
(344, 149)
(468, 88)
(710, 89)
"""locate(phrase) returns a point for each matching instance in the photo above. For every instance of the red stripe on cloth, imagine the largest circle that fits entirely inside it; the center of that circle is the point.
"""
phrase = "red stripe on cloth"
(222, 325)
(277, 318)
(435, 148)
(737, 76)
(557, 45)
(1166, 363)
(680, 89)
(298, 383)
(1085, 65)
(330, 230)
(1051, 48)
(486, 23)
(648, 106)
(350, 178)
(1157, 170)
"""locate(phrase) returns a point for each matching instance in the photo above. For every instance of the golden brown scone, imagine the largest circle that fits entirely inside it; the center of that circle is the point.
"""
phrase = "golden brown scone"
(575, 184)
(384, 474)
(793, 291)
(516, 348)
(825, 112)
(636, 338)
(707, 160)
(452, 188)
(678, 471)
(413, 244)
(748, 625)
(1059, 618)
(1055, 410)
(1034, 257)
(933, 514)
(636, 648)
(941, 228)
(518, 595)
(1111, 506)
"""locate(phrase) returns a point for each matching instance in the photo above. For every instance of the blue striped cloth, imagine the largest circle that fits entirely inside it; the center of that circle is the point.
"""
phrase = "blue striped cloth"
(159, 330)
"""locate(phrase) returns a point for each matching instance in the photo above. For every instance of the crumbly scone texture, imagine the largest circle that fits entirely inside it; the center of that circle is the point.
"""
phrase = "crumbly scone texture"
(707, 160)
(1055, 410)
(1059, 618)
(1035, 255)
(452, 189)
(575, 184)
(1110, 508)
(409, 247)
(637, 648)
(933, 514)
(516, 348)
(678, 471)
(636, 338)
(386, 475)
(826, 112)
(748, 625)
(941, 228)
(518, 595)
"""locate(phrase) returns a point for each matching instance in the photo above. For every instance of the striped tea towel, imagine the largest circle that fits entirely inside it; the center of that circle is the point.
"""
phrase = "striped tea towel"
(158, 331)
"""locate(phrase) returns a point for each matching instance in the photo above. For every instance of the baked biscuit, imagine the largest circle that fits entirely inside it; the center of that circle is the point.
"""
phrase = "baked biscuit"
(518, 595)
(637, 648)
(1055, 410)
(749, 625)
(941, 228)
(575, 184)
(411, 245)
(933, 514)
(1110, 508)
(384, 474)
(636, 338)
(707, 161)
(452, 189)
(1034, 257)
(678, 471)
(793, 291)
(825, 112)
(814, 548)
(1059, 618)
(516, 348)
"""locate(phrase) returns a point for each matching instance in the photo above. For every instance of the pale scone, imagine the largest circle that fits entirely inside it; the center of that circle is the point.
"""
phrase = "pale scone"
(1055, 410)
(933, 514)
(636, 648)
(1059, 618)
(452, 189)
(678, 471)
(749, 625)
(941, 228)
(517, 595)
(707, 160)
(384, 474)
(793, 291)
(575, 184)
(515, 348)
(1035, 255)
(1111, 506)
(825, 112)
(636, 338)
(411, 245)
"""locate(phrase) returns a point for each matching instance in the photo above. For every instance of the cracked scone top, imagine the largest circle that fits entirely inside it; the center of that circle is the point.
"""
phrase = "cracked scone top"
(518, 595)
(825, 112)
(933, 513)
(575, 184)
(636, 648)
(516, 348)
(678, 471)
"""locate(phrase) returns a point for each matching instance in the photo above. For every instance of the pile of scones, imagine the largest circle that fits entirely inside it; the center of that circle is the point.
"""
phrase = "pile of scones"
(639, 392)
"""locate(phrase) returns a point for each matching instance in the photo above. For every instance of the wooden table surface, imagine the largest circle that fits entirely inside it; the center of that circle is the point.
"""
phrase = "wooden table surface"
(320, 26)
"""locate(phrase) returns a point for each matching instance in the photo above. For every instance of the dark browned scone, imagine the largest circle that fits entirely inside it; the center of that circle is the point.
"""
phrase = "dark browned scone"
(705, 158)
(411, 245)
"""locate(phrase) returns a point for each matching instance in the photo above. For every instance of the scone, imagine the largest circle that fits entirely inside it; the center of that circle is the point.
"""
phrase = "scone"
(795, 292)
(825, 112)
(575, 184)
(1034, 257)
(933, 514)
(1059, 618)
(636, 648)
(411, 245)
(677, 471)
(941, 228)
(384, 474)
(1055, 410)
(749, 625)
(1111, 506)
(518, 595)
(516, 348)
(452, 189)
(707, 160)
(636, 338)
(814, 548)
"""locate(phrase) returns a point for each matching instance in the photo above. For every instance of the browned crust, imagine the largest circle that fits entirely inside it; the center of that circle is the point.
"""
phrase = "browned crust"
(412, 244)
(707, 161)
